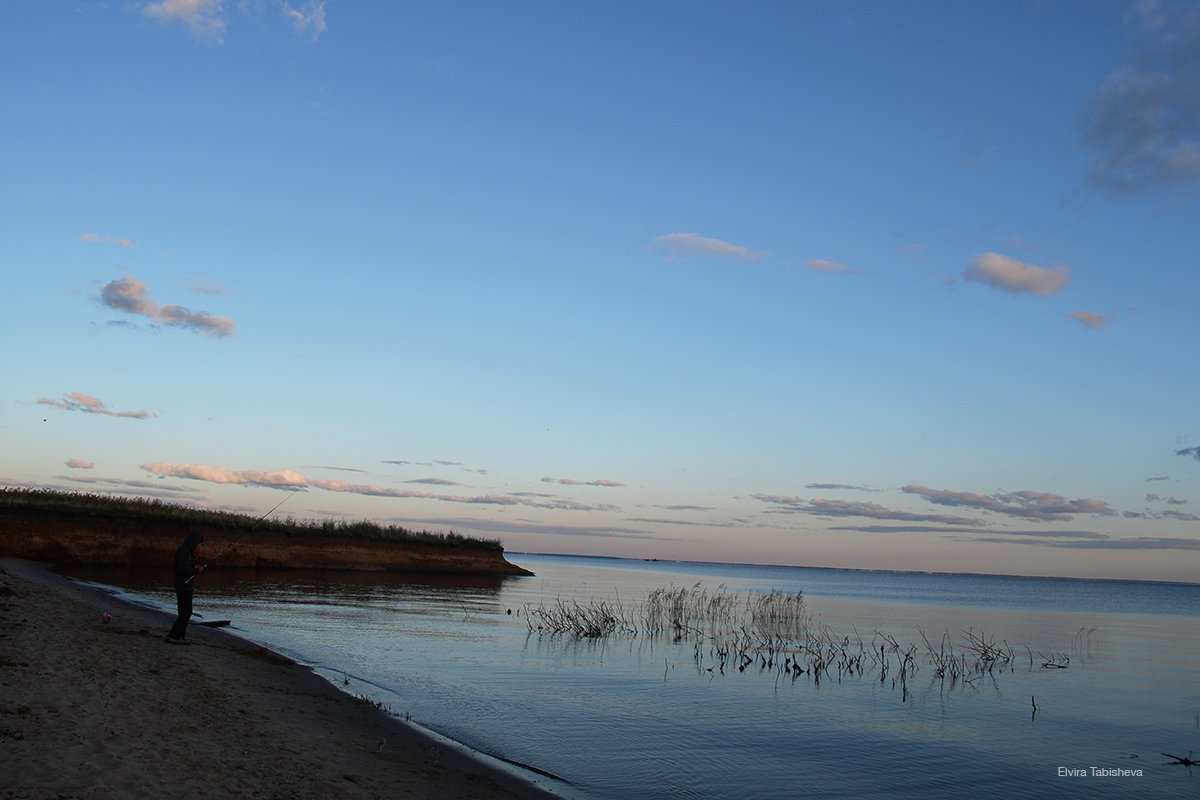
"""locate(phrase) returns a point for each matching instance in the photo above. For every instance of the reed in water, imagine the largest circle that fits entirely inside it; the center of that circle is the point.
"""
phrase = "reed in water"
(771, 631)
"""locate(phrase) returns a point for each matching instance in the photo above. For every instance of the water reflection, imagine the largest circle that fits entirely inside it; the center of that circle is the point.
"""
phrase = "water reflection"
(236, 580)
(629, 717)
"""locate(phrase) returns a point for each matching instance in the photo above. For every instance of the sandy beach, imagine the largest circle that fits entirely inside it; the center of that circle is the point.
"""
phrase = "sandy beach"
(90, 709)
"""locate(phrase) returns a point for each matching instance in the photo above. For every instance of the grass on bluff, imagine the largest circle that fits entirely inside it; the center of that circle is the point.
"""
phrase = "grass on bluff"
(157, 510)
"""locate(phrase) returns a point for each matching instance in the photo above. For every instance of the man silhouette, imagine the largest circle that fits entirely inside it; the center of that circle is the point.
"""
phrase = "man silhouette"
(185, 585)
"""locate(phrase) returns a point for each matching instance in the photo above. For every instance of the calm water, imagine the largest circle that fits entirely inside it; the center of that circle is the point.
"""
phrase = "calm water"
(639, 717)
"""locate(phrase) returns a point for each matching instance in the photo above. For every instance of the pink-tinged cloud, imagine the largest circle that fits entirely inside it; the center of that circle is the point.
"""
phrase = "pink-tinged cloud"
(207, 20)
(781, 500)
(291, 480)
(79, 463)
(370, 490)
(1044, 506)
(77, 401)
(678, 246)
(91, 237)
(537, 501)
(1010, 275)
(573, 482)
(1092, 320)
(129, 295)
(826, 265)
(836, 486)
(204, 18)
(1147, 543)
(276, 479)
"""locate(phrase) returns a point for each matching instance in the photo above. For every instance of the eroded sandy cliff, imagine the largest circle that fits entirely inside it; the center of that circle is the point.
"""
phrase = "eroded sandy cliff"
(81, 538)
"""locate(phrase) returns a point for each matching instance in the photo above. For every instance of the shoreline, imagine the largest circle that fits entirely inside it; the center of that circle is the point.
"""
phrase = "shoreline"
(91, 709)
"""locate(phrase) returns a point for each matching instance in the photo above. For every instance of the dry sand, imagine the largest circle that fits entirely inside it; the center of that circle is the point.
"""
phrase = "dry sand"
(90, 709)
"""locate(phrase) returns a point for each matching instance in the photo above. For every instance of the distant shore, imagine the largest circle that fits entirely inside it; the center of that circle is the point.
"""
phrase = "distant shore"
(101, 709)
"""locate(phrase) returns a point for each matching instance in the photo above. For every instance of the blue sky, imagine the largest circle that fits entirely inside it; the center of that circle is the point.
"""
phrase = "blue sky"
(880, 285)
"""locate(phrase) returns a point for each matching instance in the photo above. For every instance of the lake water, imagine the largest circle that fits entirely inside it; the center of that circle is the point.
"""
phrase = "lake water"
(633, 715)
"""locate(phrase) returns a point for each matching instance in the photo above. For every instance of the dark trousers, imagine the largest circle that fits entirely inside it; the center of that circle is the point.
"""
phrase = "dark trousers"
(183, 599)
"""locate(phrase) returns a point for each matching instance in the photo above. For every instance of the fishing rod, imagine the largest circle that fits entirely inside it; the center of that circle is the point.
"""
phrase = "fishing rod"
(243, 533)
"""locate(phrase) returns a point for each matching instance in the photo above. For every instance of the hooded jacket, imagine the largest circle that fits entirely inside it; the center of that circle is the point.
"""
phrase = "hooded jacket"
(185, 565)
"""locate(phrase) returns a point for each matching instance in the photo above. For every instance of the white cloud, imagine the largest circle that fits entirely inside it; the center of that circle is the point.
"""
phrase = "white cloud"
(79, 463)
(128, 294)
(678, 246)
(1002, 272)
(310, 18)
(204, 18)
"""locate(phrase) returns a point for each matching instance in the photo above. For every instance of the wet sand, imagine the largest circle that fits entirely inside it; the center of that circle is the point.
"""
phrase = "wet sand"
(90, 709)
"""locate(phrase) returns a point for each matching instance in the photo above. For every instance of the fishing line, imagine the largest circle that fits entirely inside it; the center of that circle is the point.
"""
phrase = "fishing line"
(240, 535)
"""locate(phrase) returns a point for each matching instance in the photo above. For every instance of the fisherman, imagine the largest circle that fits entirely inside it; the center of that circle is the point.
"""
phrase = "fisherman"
(185, 585)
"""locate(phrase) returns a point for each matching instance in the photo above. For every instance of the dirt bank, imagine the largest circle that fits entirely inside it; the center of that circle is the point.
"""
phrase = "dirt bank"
(99, 538)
